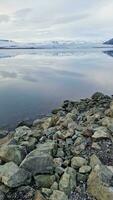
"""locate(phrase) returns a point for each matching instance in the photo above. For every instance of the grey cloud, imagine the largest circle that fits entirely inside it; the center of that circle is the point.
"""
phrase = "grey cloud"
(6, 74)
(4, 18)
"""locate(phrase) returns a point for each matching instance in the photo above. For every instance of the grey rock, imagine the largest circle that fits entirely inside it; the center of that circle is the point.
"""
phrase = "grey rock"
(58, 195)
(84, 169)
(38, 163)
(12, 176)
(68, 181)
(44, 181)
(49, 147)
(78, 162)
(13, 153)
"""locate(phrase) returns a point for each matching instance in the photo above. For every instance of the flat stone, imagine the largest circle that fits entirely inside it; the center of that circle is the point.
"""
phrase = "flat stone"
(58, 195)
(12, 176)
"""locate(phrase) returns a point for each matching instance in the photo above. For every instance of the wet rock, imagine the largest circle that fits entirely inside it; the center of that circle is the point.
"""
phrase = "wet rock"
(78, 162)
(12, 176)
(58, 195)
(13, 153)
(44, 181)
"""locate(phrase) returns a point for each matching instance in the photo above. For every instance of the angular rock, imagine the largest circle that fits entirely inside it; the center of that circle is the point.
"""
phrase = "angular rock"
(84, 169)
(46, 192)
(13, 153)
(67, 182)
(44, 181)
(94, 160)
(38, 163)
(100, 134)
(38, 196)
(98, 185)
(58, 195)
(12, 176)
(78, 162)
(49, 147)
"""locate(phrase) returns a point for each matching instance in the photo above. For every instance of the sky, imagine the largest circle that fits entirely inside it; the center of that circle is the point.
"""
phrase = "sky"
(35, 20)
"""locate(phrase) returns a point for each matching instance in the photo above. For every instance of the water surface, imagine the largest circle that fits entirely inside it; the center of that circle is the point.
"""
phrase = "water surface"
(33, 82)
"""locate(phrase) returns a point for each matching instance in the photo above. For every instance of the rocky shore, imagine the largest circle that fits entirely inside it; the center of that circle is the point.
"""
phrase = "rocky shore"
(67, 156)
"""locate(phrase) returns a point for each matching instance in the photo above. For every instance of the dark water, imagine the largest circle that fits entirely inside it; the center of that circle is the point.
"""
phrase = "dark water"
(33, 82)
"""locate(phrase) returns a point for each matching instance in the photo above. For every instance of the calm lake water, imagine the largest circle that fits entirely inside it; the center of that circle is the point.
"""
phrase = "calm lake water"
(33, 82)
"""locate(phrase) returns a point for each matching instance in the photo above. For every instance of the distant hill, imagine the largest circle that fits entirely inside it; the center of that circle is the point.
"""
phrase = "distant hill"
(110, 42)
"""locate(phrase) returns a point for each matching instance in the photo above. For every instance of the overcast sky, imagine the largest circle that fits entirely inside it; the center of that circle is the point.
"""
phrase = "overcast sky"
(32, 20)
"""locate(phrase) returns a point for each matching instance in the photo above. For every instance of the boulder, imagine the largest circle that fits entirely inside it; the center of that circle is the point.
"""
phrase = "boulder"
(78, 162)
(98, 185)
(12, 176)
(58, 195)
(44, 181)
(94, 160)
(67, 182)
(38, 163)
(49, 147)
(13, 153)
(100, 134)
(22, 132)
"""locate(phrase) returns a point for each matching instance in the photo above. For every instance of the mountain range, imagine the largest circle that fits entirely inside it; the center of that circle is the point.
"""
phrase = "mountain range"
(9, 44)
(109, 42)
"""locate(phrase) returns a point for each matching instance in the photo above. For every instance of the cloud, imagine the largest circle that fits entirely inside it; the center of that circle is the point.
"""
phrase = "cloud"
(32, 20)
(4, 18)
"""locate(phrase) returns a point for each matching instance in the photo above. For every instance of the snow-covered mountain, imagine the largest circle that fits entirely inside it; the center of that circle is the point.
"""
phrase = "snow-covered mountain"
(9, 44)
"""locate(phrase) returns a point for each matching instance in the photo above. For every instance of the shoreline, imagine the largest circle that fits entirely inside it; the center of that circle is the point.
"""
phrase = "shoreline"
(64, 156)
